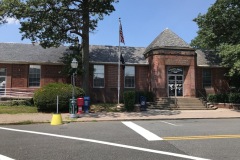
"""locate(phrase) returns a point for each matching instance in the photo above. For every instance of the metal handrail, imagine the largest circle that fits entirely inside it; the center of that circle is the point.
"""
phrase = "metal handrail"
(204, 98)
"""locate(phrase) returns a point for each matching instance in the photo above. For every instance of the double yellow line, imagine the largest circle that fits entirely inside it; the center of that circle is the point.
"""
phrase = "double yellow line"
(201, 137)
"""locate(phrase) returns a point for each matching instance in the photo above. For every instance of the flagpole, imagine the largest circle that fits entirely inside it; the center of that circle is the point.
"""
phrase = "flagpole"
(119, 54)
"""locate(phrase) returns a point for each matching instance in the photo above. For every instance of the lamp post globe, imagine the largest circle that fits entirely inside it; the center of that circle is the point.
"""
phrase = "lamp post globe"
(74, 63)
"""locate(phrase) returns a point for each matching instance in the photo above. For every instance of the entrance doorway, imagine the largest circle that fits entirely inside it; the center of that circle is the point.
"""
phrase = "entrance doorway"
(175, 81)
(3, 81)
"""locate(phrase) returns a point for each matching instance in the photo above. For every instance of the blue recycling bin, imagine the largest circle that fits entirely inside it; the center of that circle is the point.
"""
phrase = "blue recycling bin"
(143, 106)
(86, 105)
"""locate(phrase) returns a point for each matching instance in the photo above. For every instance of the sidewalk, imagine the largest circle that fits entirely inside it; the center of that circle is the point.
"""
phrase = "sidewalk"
(115, 116)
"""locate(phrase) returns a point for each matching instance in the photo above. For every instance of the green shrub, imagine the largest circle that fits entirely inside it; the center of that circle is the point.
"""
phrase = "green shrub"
(234, 97)
(129, 100)
(212, 98)
(222, 98)
(45, 98)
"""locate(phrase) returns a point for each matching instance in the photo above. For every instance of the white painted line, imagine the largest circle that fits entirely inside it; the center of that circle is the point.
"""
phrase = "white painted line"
(170, 123)
(107, 143)
(142, 131)
(2, 157)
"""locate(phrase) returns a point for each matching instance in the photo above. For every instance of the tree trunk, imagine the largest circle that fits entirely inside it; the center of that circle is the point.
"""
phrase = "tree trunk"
(85, 49)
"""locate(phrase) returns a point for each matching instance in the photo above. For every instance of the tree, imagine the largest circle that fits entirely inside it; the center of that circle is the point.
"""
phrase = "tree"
(219, 25)
(219, 30)
(58, 22)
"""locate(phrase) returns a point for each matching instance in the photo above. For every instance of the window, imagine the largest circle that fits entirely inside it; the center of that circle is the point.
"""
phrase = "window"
(129, 77)
(98, 76)
(34, 76)
(207, 78)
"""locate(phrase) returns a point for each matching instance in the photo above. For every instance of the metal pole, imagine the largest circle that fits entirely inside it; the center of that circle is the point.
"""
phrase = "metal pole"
(119, 54)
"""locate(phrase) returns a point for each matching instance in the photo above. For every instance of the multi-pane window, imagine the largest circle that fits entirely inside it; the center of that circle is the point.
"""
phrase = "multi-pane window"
(98, 76)
(207, 78)
(34, 75)
(129, 77)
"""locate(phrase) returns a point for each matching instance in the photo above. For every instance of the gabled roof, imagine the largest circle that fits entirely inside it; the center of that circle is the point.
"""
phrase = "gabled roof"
(35, 54)
(167, 39)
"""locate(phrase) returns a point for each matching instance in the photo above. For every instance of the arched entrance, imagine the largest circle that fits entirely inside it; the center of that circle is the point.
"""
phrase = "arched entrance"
(175, 81)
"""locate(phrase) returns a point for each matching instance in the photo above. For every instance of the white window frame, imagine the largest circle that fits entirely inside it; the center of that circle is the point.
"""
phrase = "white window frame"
(99, 72)
(35, 75)
(132, 74)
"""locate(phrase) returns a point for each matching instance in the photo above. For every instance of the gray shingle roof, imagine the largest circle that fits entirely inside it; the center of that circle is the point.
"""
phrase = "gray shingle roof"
(109, 54)
(208, 59)
(168, 39)
(28, 53)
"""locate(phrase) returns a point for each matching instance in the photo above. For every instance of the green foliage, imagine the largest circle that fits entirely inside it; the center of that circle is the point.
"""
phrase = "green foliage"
(129, 100)
(55, 22)
(212, 98)
(230, 55)
(224, 98)
(234, 97)
(74, 52)
(17, 109)
(45, 98)
(219, 25)
(219, 30)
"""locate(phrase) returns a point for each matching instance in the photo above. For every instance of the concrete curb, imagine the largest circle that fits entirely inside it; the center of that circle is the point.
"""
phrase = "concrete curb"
(6, 119)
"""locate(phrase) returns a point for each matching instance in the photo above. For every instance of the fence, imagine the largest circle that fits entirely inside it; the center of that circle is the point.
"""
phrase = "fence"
(16, 93)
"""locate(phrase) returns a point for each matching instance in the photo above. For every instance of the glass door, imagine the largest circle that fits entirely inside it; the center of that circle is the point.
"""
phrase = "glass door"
(2, 81)
(175, 81)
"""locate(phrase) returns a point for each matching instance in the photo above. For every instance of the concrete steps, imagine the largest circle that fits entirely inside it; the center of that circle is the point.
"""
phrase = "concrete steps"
(178, 104)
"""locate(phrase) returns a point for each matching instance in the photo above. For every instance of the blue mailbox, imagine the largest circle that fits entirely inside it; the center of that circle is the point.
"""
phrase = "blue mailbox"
(86, 106)
(143, 106)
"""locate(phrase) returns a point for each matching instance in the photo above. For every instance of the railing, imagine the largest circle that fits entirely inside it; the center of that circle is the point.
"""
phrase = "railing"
(203, 98)
(16, 93)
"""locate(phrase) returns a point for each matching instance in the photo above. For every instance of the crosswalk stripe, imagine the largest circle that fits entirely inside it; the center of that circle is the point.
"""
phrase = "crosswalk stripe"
(142, 131)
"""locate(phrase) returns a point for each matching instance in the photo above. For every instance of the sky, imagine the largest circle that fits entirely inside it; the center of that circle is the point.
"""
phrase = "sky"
(142, 21)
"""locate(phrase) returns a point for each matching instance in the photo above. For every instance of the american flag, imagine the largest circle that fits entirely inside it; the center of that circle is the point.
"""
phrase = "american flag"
(121, 38)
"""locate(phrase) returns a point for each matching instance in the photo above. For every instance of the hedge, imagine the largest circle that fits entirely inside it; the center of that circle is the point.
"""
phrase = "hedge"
(224, 98)
(45, 98)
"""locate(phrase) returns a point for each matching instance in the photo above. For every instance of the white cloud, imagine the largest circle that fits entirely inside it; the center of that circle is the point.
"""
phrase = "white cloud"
(12, 21)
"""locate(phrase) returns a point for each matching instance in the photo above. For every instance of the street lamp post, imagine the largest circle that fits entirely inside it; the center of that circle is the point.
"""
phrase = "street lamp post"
(73, 109)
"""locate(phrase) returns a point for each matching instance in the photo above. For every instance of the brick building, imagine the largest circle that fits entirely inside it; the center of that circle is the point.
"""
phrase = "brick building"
(168, 67)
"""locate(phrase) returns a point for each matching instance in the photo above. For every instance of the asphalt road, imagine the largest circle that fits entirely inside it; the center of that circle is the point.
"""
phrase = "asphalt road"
(217, 139)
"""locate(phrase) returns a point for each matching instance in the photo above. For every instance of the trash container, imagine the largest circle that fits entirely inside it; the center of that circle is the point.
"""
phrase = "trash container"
(73, 108)
(143, 106)
(86, 104)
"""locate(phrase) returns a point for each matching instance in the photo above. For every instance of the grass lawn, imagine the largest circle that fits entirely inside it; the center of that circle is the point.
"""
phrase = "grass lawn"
(99, 107)
(17, 109)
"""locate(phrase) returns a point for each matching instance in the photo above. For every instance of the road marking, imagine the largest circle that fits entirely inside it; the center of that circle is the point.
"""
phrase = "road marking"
(2, 157)
(170, 123)
(201, 137)
(142, 131)
(107, 143)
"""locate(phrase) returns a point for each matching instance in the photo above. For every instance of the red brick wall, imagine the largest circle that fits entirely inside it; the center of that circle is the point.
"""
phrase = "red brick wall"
(219, 81)
(159, 60)
(110, 92)
(50, 74)
(17, 75)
